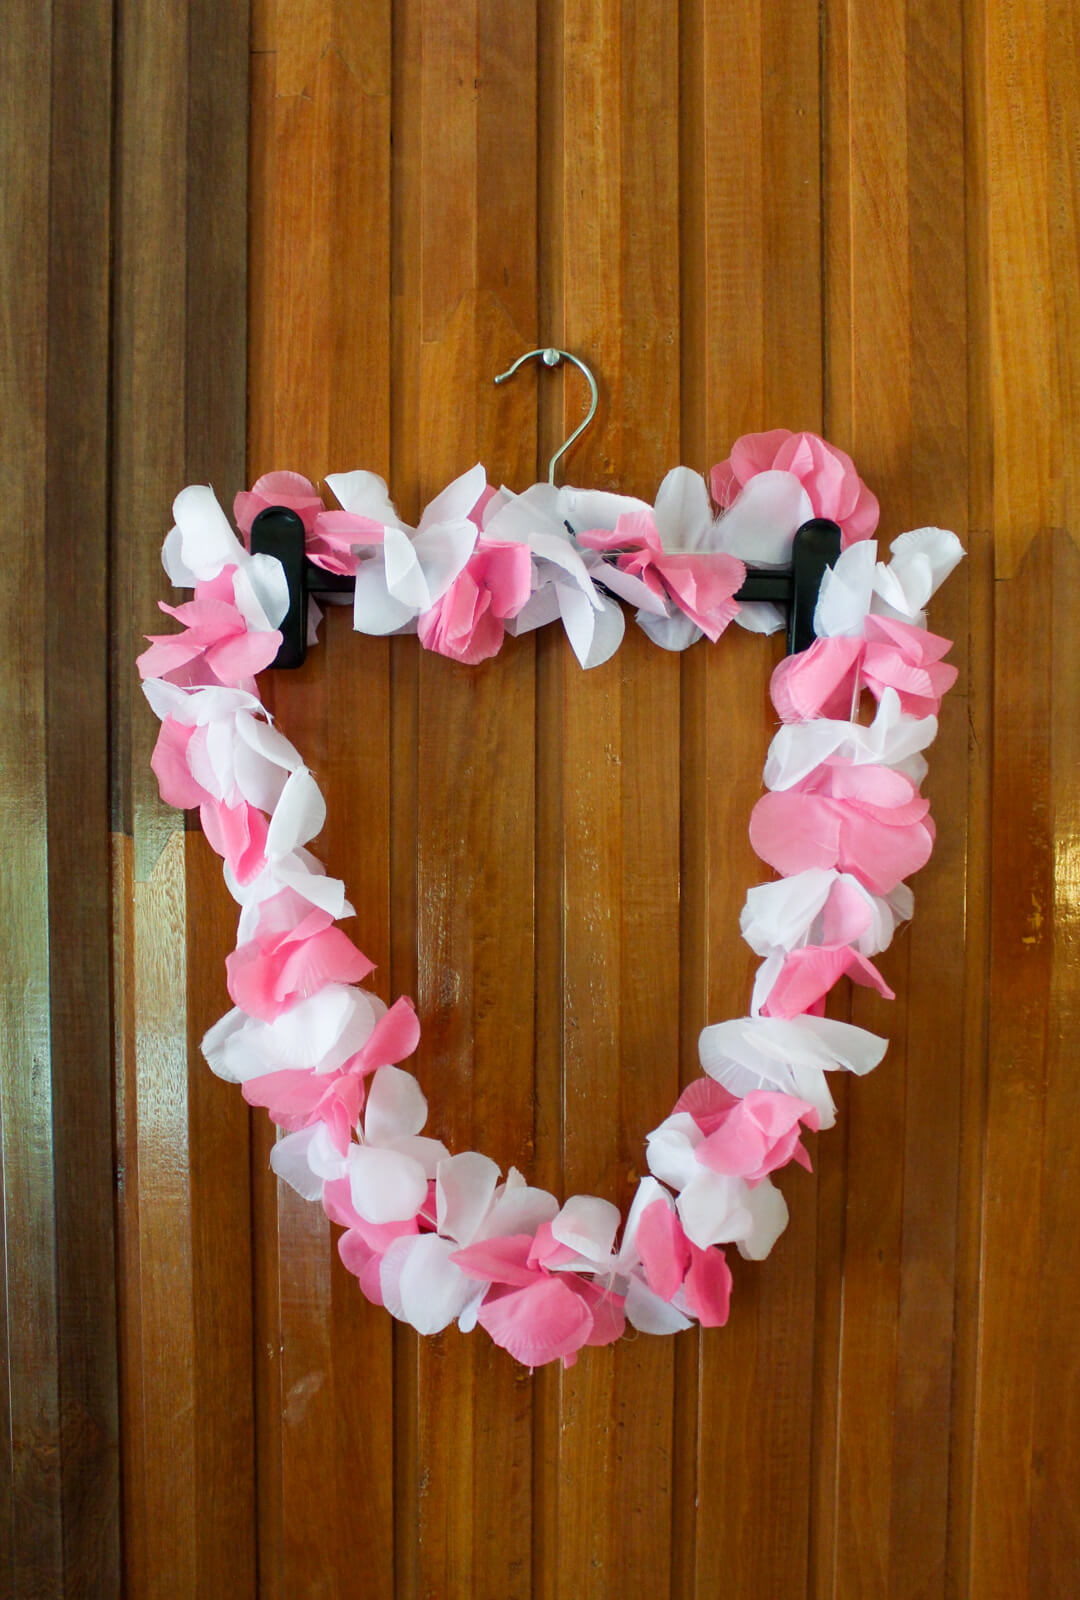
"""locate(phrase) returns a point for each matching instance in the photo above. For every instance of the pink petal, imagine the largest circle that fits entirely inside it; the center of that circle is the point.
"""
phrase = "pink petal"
(707, 1101)
(238, 835)
(663, 1248)
(810, 972)
(757, 452)
(394, 1037)
(708, 1286)
(363, 1262)
(502, 1259)
(237, 659)
(170, 765)
(539, 1324)
(818, 682)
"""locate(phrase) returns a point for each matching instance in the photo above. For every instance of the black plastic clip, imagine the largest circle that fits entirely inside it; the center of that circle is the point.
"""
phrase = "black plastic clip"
(279, 532)
(816, 546)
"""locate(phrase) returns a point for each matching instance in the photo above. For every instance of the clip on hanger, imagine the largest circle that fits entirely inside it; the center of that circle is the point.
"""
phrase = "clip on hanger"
(279, 532)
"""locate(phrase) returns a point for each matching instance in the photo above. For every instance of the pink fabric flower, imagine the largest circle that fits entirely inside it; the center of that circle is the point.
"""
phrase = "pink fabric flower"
(169, 762)
(821, 681)
(670, 1262)
(907, 658)
(238, 835)
(468, 622)
(826, 473)
(810, 972)
(700, 584)
(751, 1136)
(216, 646)
(296, 951)
(539, 1316)
(288, 489)
(869, 821)
(297, 1098)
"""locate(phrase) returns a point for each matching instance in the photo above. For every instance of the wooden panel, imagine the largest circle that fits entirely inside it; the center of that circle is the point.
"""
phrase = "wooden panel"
(179, 353)
(59, 1467)
(743, 221)
(320, 320)
(751, 160)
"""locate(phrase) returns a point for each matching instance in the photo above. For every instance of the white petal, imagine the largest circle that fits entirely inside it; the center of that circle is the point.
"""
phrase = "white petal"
(207, 542)
(675, 632)
(364, 494)
(769, 1217)
(647, 1193)
(395, 1107)
(166, 699)
(777, 915)
(594, 635)
(647, 1313)
(844, 595)
(428, 1153)
(261, 590)
(385, 1185)
(289, 1159)
(596, 508)
(713, 1209)
(540, 608)
(215, 1041)
(588, 1225)
(300, 871)
(442, 552)
(421, 1285)
(375, 610)
(454, 503)
(322, 1031)
(624, 584)
(298, 816)
(762, 521)
(464, 1191)
(669, 1149)
(518, 1209)
(172, 560)
(760, 616)
(682, 512)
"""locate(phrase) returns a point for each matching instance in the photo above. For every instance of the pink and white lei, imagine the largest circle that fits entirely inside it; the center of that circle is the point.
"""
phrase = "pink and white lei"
(434, 1236)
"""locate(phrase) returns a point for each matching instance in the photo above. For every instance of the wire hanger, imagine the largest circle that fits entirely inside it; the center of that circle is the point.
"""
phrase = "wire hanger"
(551, 358)
(279, 532)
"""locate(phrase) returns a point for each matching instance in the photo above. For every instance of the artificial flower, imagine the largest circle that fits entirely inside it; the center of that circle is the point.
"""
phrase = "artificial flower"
(826, 474)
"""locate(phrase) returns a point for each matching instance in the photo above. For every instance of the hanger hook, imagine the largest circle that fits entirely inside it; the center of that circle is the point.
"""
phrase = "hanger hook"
(551, 358)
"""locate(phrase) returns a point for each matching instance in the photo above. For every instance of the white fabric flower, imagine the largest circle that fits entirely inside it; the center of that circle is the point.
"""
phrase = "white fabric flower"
(390, 1167)
(420, 1284)
(714, 1207)
(790, 1055)
(403, 571)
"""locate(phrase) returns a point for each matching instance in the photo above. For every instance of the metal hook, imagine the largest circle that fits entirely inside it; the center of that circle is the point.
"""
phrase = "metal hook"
(551, 358)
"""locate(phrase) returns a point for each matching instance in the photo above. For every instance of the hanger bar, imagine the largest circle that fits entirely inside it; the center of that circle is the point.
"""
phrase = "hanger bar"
(279, 532)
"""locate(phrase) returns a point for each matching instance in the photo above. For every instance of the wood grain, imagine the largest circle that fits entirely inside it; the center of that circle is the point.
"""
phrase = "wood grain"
(744, 216)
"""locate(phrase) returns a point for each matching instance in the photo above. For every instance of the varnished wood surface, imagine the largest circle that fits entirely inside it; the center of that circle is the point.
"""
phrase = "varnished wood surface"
(749, 215)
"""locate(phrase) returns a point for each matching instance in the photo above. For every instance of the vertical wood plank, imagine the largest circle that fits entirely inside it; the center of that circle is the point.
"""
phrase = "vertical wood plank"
(178, 412)
(465, 187)
(751, 157)
(937, 976)
(616, 248)
(319, 382)
(1030, 377)
(869, 412)
(31, 1534)
(76, 722)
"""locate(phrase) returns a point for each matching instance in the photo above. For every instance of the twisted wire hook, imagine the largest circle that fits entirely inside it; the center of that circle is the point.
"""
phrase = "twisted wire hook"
(551, 358)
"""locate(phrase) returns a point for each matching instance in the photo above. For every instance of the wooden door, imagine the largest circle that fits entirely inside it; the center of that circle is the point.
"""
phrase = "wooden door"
(326, 227)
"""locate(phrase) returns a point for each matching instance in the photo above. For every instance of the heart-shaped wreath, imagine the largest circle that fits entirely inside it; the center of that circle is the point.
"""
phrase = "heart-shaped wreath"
(433, 1236)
